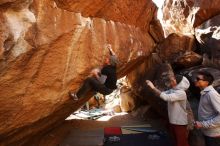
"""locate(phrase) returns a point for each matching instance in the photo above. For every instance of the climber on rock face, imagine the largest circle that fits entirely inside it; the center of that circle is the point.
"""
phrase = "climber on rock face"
(102, 81)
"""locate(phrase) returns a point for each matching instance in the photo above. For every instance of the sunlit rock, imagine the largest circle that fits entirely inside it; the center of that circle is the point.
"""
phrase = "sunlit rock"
(127, 99)
(182, 16)
(15, 24)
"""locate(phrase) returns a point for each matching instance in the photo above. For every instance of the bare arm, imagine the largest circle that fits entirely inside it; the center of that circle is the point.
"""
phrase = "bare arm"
(110, 50)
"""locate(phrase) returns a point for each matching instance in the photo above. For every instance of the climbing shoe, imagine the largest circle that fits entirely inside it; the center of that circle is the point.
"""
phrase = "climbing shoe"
(73, 96)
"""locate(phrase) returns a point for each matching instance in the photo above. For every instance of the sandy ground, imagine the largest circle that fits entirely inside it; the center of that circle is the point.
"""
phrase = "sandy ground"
(90, 132)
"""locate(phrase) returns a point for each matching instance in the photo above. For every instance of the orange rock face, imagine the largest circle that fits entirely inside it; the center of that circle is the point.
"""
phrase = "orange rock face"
(136, 13)
(48, 49)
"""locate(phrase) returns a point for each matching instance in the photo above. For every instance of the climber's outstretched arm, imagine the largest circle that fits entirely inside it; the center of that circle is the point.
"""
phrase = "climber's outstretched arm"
(110, 50)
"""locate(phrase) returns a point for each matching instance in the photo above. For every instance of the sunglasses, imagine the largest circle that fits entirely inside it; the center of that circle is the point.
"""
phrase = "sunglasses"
(197, 79)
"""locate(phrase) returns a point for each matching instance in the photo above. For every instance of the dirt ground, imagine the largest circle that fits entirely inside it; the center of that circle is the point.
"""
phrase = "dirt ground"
(90, 132)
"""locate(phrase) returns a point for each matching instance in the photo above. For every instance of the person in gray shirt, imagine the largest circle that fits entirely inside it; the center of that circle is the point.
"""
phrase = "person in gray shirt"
(176, 102)
(209, 109)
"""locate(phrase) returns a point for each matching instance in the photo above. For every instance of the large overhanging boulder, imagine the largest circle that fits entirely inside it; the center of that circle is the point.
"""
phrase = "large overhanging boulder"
(46, 51)
(131, 12)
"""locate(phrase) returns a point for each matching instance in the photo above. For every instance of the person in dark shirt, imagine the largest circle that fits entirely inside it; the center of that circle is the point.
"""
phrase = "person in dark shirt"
(95, 84)
(110, 72)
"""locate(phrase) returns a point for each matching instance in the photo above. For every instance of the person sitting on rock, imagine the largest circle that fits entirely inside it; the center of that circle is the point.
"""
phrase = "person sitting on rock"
(177, 100)
(103, 81)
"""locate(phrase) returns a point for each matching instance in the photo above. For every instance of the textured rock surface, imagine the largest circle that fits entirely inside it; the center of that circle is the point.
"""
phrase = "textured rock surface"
(178, 50)
(156, 30)
(208, 36)
(136, 13)
(188, 59)
(15, 22)
(199, 17)
(181, 16)
(47, 51)
(15, 4)
(127, 99)
(159, 75)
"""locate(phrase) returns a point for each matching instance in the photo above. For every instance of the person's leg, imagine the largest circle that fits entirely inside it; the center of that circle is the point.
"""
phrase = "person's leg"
(181, 135)
(87, 105)
(92, 84)
(171, 128)
(212, 141)
(104, 90)
(86, 87)
(101, 88)
(217, 139)
(208, 141)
